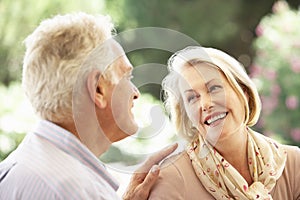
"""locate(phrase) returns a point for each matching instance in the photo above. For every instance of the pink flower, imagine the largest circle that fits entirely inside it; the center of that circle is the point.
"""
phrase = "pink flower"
(295, 65)
(271, 74)
(269, 133)
(291, 102)
(295, 134)
(275, 90)
(259, 30)
(255, 70)
(269, 104)
(280, 7)
(260, 123)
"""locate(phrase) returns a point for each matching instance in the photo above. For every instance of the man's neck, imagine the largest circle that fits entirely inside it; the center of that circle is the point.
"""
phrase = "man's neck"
(88, 135)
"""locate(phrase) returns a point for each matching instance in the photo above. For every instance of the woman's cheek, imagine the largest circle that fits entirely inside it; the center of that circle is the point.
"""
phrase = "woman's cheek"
(193, 114)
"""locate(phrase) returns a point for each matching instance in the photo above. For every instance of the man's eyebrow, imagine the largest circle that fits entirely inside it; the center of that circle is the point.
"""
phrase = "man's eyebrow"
(128, 72)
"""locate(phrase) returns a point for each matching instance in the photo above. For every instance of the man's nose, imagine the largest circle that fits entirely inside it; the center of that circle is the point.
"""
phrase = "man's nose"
(136, 92)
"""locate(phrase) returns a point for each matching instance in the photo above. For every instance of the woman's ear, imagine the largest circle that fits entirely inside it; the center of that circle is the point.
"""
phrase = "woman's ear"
(96, 89)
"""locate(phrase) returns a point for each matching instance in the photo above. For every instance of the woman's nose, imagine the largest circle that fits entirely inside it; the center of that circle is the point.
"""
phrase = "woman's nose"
(206, 102)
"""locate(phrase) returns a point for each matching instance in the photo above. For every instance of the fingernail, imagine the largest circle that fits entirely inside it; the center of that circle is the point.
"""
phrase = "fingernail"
(154, 169)
(171, 146)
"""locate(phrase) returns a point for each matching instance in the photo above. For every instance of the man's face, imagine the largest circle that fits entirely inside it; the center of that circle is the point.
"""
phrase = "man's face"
(118, 121)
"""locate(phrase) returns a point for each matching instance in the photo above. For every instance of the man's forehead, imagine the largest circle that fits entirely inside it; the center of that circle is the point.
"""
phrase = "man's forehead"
(117, 48)
(125, 63)
(122, 65)
(121, 56)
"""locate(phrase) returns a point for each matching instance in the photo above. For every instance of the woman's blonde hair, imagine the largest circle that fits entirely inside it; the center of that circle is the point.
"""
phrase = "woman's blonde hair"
(230, 67)
(54, 54)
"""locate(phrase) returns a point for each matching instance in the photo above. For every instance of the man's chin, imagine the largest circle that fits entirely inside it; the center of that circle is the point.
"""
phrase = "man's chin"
(127, 132)
(133, 130)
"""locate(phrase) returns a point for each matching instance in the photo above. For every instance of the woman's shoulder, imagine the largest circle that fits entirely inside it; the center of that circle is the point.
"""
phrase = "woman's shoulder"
(171, 169)
(170, 182)
(293, 154)
(288, 185)
(178, 180)
(178, 165)
(176, 160)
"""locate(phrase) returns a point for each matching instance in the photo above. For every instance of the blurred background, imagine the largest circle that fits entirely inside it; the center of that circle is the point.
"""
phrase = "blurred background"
(263, 35)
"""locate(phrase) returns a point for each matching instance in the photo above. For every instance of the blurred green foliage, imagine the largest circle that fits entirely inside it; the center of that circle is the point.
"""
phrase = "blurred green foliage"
(227, 25)
(18, 18)
(276, 70)
(13, 118)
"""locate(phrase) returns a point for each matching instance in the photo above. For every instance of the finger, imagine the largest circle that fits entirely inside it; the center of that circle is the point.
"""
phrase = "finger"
(150, 180)
(157, 158)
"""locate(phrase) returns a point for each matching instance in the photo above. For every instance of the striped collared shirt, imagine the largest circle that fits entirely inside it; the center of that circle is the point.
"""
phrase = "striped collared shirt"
(51, 163)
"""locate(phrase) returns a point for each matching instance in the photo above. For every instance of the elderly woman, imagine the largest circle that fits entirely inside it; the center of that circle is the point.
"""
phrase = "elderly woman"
(213, 103)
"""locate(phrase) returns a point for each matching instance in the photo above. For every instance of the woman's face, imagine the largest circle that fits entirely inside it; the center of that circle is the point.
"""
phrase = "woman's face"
(210, 102)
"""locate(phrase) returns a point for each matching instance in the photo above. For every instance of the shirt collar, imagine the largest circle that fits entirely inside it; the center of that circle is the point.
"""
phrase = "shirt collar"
(71, 145)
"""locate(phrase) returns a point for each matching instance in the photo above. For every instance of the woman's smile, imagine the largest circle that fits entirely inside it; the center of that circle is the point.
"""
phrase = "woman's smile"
(215, 119)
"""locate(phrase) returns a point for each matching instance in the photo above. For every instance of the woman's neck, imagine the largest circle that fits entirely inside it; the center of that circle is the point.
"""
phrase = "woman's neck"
(234, 149)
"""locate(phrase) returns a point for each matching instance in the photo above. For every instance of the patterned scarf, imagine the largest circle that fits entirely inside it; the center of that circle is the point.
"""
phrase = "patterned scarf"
(266, 161)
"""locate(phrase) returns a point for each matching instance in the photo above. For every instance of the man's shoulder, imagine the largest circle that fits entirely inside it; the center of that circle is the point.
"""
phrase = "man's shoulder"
(18, 179)
(21, 178)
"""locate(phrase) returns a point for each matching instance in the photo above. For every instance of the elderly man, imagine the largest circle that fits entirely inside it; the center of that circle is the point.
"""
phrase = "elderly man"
(78, 81)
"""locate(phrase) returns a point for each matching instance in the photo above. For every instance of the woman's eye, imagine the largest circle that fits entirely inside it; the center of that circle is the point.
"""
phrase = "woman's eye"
(192, 97)
(214, 88)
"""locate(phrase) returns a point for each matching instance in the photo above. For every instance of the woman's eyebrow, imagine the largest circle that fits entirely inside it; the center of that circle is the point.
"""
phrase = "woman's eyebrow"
(212, 80)
(206, 84)
(189, 90)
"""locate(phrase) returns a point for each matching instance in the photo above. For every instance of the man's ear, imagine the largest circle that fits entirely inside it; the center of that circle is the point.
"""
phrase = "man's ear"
(96, 89)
